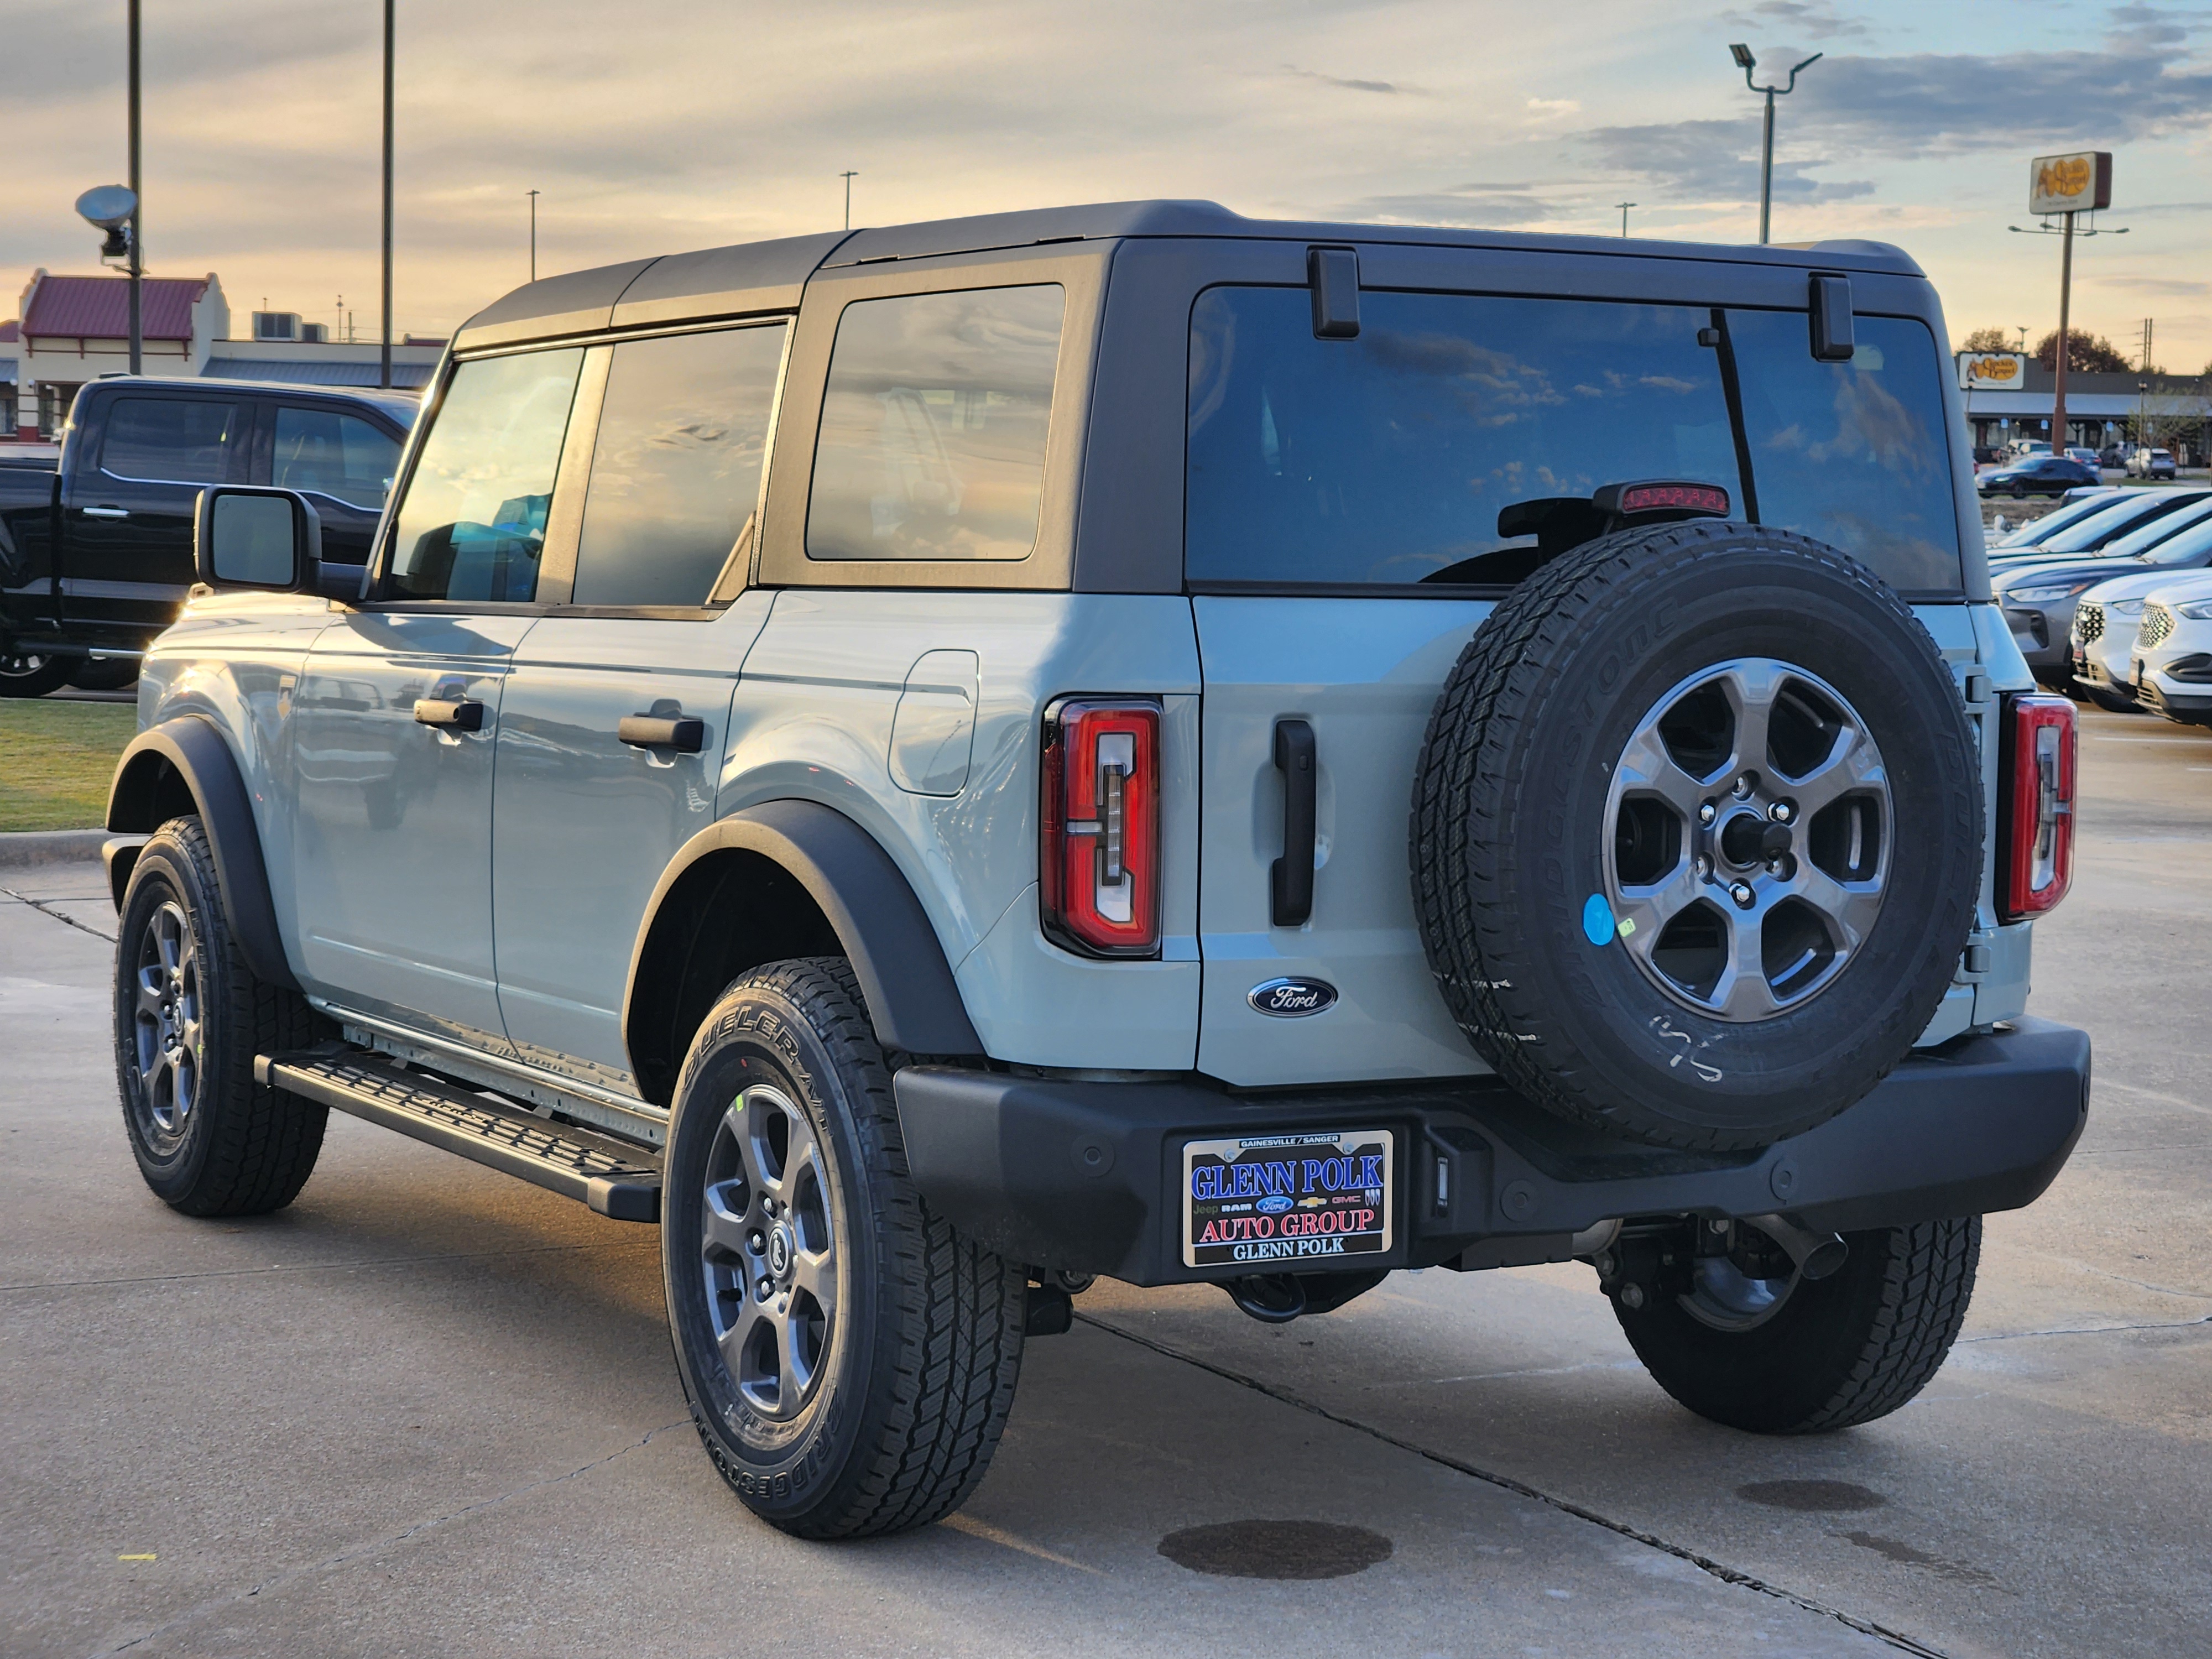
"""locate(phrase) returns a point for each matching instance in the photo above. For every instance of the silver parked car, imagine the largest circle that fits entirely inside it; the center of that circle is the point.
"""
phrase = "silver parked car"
(2169, 665)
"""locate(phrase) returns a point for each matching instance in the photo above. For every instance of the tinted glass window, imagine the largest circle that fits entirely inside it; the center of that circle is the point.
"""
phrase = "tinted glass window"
(334, 454)
(1855, 454)
(1390, 458)
(473, 525)
(676, 473)
(934, 427)
(177, 439)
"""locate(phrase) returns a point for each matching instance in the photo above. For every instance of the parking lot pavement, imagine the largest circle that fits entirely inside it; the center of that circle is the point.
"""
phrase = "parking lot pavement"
(429, 1410)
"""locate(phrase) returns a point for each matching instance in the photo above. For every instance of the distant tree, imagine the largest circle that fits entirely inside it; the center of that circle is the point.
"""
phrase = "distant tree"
(2086, 354)
(1988, 339)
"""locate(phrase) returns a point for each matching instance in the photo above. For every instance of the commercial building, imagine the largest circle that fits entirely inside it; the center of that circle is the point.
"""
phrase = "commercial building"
(2012, 397)
(75, 329)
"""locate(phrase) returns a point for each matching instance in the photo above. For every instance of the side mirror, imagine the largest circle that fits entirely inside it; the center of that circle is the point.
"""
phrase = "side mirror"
(247, 537)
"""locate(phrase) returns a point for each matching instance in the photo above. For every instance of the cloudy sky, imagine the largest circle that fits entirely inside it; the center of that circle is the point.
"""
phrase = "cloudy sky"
(656, 126)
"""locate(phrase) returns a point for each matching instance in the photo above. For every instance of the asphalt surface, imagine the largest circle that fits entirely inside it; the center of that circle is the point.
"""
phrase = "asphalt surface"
(429, 1410)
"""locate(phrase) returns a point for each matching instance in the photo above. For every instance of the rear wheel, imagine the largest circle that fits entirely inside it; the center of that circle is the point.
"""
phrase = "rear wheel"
(190, 1017)
(1786, 1355)
(104, 674)
(850, 1360)
(30, 674)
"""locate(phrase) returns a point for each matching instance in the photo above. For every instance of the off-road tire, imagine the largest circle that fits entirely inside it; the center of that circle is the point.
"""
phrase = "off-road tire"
(1509, 833)
(1840, 1352)
(104, 674)
(920, 1371)
(242, 1148)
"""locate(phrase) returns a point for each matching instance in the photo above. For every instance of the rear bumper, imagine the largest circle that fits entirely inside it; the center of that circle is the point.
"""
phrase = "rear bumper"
(1084, 1177)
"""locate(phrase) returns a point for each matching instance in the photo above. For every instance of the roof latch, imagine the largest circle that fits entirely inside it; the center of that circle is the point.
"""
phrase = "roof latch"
(1831, 303)
(1333, 275)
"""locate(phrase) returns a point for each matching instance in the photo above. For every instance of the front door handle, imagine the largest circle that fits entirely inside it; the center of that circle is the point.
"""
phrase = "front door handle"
(104, 512)
(453, 713)
(686, 734)
(1291, 882)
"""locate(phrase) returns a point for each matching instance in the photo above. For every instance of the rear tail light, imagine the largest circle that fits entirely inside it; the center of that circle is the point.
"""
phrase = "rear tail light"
(2035, 790)
(1098, 865)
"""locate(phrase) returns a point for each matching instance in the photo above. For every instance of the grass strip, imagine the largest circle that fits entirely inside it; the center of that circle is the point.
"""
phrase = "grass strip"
(57, 760)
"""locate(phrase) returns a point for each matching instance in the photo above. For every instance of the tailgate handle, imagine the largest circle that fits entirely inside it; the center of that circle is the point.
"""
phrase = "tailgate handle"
(455, 714)
(686, 734)
(1291, 882)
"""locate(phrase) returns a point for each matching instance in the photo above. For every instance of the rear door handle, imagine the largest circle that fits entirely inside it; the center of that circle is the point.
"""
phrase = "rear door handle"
(454, 713)
(104, 512)
(1291, 882)
(686, 734)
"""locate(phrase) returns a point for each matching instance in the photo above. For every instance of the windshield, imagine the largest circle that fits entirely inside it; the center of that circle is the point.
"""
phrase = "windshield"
(2101, 529)
(2032, 533)
(2192, 545)
(2150, 543)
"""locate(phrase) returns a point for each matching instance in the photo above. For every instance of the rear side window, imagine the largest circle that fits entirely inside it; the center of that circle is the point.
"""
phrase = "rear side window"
(170, 439)
(933, 426)
(676, 471)
(1452, 440)
(340, 456)
(472, 523)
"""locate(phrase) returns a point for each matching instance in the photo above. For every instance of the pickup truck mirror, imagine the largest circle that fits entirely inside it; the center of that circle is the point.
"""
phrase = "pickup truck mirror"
(254, 537)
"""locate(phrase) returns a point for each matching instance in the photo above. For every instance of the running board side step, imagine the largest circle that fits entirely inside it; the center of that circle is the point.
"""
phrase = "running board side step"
(618, 1180)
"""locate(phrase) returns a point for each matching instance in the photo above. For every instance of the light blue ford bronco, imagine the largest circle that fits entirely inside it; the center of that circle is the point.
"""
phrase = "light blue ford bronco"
(939, 763)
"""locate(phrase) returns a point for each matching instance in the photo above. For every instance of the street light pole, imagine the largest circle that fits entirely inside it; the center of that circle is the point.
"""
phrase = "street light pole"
(137, 266)
(1623, 207)
(385, 378)
(533, 235)
(848, 176)
(1746, 63)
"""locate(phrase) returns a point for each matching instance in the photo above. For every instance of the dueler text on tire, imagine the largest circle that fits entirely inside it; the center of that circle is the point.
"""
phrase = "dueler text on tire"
(1830, 1353)
(848, 1359)
(1697, 832)
(190, 1017)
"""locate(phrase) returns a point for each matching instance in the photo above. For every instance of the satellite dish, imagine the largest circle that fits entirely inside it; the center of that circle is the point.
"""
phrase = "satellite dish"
(107, 206)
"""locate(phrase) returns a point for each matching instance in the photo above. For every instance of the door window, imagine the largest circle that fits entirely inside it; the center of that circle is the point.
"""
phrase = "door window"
(472, 523)
(170, 439)
(933, 426)
(676, 473)
(340, 456)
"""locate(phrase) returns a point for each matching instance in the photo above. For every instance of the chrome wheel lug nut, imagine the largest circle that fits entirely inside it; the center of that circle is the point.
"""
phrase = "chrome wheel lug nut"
(1704, 866)
(1707, 813)
(1742, 893)
(767, 1289)
(756, 1243)
(1782, 812)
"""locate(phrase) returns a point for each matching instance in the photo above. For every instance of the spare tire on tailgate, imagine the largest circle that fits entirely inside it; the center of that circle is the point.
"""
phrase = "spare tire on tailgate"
(1697, 834)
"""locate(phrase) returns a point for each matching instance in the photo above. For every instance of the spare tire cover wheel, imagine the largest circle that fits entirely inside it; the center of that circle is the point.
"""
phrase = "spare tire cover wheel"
(1696, 835)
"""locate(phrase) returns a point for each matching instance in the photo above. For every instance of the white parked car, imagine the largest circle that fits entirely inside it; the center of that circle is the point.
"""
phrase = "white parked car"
(2151, 464)
(2169, 660)
(2104, 633)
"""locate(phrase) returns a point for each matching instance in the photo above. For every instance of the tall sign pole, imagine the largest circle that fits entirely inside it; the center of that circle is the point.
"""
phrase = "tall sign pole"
(137, 266)
(2066, 185)
(385, 378)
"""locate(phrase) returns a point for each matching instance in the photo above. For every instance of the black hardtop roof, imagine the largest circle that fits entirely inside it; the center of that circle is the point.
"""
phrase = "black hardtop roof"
(760, 277)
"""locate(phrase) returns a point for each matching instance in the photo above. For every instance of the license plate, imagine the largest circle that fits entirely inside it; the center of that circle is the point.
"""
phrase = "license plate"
(1289, 1200)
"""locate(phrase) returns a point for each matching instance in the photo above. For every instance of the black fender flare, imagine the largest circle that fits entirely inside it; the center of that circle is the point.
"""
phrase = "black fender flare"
(194, 748)
(905, 979)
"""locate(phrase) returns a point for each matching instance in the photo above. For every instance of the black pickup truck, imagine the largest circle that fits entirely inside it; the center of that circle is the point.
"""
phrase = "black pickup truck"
(96, 552)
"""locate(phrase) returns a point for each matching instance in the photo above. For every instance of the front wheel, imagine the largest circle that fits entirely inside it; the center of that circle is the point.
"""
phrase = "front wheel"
(190, 1017)
(1788, 1355)
(850, 1360)
(2019, 492)
(29, 674)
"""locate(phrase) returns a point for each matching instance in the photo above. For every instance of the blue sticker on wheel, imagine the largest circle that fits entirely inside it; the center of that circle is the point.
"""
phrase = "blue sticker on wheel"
(1597, 920)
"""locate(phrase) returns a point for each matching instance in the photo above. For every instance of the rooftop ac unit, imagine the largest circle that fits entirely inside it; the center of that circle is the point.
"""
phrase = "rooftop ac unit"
(315, 333)
(275, 325)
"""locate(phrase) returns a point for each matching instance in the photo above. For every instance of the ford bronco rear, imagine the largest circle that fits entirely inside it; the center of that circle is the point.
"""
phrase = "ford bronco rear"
(943, 763)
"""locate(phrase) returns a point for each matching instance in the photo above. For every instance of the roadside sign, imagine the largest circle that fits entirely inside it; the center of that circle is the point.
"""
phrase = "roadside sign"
(2079, 183)
(1991, 371)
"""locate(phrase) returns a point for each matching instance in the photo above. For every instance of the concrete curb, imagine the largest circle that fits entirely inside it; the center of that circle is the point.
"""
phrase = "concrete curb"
(26, 848)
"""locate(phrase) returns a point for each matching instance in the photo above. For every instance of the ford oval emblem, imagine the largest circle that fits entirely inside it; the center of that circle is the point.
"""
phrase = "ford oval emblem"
(1294, 999)
(1274, 1204)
